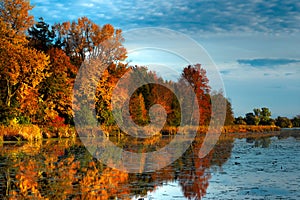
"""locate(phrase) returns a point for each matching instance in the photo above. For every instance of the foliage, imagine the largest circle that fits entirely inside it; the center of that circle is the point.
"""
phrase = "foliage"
(84, 37)
(56, 90)
(296, 121)
(240, 121)
(21, 68)
(40, 36)
(252, 119)
(219, 99)
(195, 76)
(259, 117)
(39, 64)
(15, 15)
(283, 122)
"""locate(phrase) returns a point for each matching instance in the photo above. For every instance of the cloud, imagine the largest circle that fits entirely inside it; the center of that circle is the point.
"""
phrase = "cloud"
(267, 62)
(288, 74)
(273, 16)
(225, 72)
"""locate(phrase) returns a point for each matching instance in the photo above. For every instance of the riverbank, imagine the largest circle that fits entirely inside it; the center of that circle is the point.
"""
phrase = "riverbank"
(33, 132)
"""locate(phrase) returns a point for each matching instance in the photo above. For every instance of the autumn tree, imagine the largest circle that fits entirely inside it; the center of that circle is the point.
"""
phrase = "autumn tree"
(15, 15)
(56, 90)
(195, 76)
(137, 109)
(21, 68)
(84, 38)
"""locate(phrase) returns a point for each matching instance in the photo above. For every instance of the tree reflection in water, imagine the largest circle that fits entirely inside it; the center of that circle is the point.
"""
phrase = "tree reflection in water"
(65, 170)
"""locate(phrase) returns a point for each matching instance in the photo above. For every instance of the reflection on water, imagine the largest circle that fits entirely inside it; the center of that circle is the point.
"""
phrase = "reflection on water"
(63, 169)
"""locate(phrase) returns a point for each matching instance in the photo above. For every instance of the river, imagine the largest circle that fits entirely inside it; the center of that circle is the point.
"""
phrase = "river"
(263, 168)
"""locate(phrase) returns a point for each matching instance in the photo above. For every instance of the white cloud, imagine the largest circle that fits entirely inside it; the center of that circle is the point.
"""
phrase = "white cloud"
(88, 5)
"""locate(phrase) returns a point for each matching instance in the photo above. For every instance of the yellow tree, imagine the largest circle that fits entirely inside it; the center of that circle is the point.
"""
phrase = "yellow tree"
(14, 13)
(21, 71)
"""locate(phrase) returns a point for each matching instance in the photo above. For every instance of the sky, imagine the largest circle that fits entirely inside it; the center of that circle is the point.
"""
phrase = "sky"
(253, 44)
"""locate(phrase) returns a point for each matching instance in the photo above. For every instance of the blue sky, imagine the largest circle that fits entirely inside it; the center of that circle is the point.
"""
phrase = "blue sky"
(255, 44)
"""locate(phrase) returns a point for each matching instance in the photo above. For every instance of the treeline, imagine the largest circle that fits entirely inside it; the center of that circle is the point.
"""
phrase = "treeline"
(262, 116)
(39, 64)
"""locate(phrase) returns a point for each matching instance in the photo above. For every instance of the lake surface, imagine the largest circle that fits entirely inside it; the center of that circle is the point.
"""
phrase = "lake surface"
(265, 168)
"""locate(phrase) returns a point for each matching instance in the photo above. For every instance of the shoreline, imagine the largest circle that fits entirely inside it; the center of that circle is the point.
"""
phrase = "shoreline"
(34, 133)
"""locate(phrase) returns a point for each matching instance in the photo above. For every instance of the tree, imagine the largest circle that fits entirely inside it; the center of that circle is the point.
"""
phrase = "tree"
(56, 90)
(240, 120)
(137, 109)
(220, 99)
(21, 68)
(296, 121)
(259, 117)
(15, 14)
(265, 115)
(85, 38)
(252, 119)
(195, 76)
(40, 36)
(283, 122)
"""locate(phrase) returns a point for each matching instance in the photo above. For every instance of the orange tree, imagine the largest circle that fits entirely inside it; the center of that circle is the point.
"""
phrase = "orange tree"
(21, 68)
(195, 76)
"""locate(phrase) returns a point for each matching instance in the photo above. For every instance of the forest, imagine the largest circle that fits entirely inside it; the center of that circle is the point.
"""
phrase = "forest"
(38, 67)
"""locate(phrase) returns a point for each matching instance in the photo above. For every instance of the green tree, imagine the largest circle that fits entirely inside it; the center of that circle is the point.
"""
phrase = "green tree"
(240, 120)
(40, 36)
(252, 119)
(283, 122)
(296, 121)
(265, 116)
(220, 99)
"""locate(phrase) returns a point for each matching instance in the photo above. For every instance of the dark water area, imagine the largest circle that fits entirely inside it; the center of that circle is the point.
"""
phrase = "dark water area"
(263, 168)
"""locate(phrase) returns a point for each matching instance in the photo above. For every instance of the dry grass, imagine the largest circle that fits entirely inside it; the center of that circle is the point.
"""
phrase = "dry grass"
(224, 130)
(20, 132)
(249, 129)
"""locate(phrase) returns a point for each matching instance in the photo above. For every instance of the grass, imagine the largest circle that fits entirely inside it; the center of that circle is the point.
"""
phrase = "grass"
(16, 132)
(224, 130)
(29, 132)
(249, 129)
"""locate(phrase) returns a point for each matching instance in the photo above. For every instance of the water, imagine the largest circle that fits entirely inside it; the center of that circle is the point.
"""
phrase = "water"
(265, 168)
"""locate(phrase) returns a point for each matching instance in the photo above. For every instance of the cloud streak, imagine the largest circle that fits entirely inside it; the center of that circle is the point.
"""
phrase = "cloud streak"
(267, 62)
